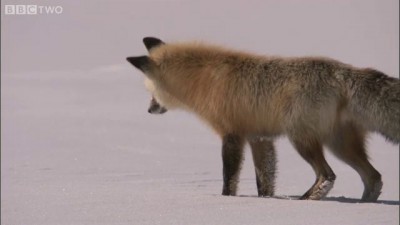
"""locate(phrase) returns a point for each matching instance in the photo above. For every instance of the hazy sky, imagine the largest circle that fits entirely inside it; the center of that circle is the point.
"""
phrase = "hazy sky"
(94, 33)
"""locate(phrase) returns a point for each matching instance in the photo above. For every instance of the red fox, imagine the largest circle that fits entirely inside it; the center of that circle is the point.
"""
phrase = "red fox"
(314, 101)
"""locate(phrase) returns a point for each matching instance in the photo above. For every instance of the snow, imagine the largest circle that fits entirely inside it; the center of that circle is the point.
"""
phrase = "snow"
(78, 146)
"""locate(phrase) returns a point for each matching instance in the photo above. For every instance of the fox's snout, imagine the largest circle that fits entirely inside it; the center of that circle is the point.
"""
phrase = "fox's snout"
(156, 108)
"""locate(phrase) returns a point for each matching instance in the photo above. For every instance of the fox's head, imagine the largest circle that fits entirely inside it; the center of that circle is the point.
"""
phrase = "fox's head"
(161, 100)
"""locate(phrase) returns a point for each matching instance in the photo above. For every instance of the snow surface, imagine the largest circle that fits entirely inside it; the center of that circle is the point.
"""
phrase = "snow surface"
(78, 146)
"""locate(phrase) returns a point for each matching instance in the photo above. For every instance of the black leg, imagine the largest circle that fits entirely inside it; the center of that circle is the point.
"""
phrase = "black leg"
(264, 158)
(232, 155)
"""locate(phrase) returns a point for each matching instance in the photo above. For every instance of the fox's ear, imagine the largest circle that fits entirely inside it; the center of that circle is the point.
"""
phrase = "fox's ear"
(152, 42)
(143, 63)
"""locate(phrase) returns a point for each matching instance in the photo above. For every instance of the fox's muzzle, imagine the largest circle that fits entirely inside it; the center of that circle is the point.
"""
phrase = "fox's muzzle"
(156, 108)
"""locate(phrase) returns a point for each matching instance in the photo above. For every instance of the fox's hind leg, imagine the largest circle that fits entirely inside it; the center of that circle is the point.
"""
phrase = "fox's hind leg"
(311, 150)
(232, 155)
(265, 164)
(348, 144)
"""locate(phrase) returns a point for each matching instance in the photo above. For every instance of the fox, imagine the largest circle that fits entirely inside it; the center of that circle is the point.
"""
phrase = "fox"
(315, 102)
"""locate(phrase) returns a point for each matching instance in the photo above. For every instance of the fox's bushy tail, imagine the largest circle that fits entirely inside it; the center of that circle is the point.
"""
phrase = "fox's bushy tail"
(375, 102)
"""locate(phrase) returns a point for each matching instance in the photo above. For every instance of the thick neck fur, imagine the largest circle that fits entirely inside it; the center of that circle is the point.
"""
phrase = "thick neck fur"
(208, 80)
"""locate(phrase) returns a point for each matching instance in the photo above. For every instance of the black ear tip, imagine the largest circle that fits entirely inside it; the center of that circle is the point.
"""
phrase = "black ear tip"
(151, 42)
(131, 59)
(137, 61)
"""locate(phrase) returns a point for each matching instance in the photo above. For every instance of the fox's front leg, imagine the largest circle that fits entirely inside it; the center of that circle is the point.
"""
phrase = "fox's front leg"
(264, 158)
(232, 155)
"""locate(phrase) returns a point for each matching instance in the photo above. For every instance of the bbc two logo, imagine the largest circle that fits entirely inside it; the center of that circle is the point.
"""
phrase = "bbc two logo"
(32, 10)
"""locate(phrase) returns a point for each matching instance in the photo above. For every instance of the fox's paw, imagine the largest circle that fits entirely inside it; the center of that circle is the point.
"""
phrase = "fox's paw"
(318, 191)
(371, 195)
